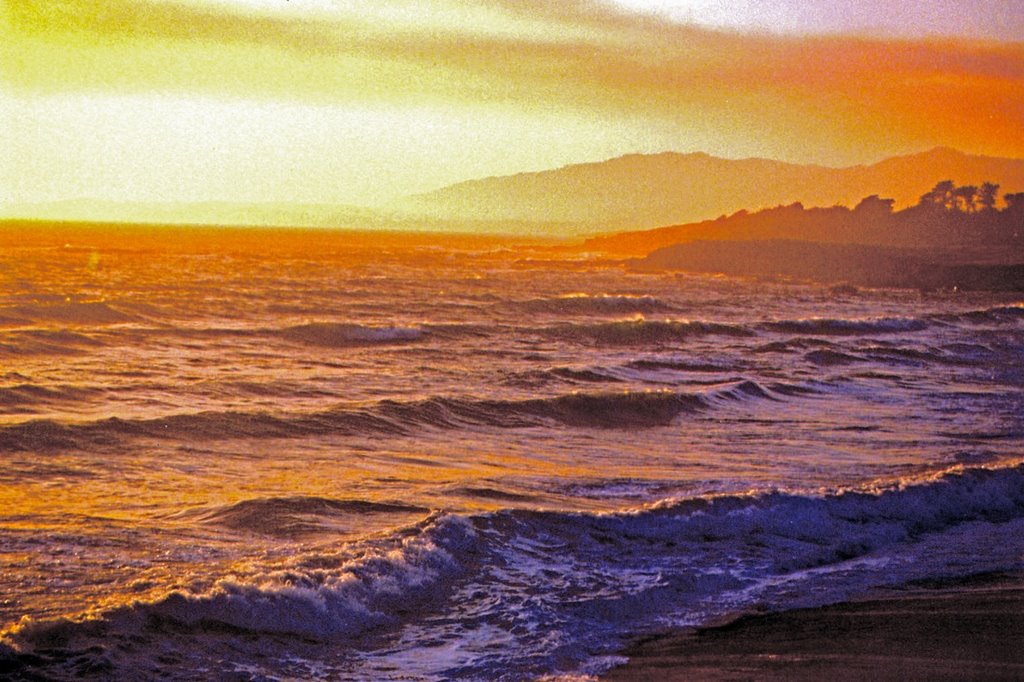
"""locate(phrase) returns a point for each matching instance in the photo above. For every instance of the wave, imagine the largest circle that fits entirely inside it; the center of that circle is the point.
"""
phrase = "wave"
(45, 342)
(88, 313)
(586, 580)
(602, 304)
(342, 335)
(32, 395)
(847, 327)
(605, 410)
(875, 514)
(555, 375)
(999, 315)
(956, 354)
(340, 597)
(830, 358)
(622, 410)
(575, 375)
(490, 494)
(741, 391)
(911, 356)
(795, 390)
(680, 366)
(641, 332)
(296, 515)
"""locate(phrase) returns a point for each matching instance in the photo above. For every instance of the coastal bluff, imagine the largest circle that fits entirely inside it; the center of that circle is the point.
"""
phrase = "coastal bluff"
(859, 265)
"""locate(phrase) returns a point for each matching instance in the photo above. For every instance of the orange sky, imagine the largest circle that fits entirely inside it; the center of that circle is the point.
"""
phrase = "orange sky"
(352, 101)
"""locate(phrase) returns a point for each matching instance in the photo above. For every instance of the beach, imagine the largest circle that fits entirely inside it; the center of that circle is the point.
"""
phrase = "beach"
(970, 630)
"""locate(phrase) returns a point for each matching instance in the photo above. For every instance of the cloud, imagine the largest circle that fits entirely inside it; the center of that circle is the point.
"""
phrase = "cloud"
(979, 19)
(579, 55)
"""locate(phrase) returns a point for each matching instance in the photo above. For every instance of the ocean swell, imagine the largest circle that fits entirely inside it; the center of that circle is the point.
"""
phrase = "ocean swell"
(25, 397)
(298, 515)
(44, 342)
(998, 315)
(342, 335)
(86, 313)
(621, 410)
(602, 304)
(640, 332)
(847, 327)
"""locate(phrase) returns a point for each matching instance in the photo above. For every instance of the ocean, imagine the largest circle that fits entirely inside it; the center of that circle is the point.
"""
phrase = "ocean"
(297, 455)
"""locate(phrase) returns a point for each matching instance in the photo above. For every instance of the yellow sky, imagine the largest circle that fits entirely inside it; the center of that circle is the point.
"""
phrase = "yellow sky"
(356, 101)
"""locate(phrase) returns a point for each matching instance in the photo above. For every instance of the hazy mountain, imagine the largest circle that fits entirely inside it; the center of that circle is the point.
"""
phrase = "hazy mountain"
(638, 191)
(196, 213)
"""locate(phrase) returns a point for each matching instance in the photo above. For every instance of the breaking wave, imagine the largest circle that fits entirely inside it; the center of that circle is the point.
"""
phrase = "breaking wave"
(340, 597)
(585, 304)
(845, 327)
(641, 332)
(589, 580)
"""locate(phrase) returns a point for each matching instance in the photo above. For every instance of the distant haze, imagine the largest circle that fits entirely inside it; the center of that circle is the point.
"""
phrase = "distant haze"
(636, 191)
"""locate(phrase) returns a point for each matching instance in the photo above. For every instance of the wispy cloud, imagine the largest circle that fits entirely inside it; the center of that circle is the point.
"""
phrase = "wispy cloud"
(578, 65)
(575, 52)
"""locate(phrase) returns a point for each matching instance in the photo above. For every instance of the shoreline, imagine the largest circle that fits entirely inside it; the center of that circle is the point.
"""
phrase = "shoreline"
(954, 630)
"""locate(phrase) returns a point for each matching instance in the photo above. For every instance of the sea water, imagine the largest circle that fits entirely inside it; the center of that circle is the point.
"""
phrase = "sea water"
(319, 455)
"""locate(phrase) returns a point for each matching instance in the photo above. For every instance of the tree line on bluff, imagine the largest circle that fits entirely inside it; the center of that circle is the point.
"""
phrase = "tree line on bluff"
(964, 214)
(946, 216)
(955, 238)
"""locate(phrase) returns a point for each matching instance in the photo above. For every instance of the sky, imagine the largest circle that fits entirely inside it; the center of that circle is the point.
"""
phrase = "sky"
(361, 101)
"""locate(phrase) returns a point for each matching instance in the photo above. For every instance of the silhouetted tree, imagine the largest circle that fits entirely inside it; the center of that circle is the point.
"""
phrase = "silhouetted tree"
(963, 198)
(874, 214)
(987, 196)
(1012, 218)
(874, 204)
(1014, 202)
(941, 196)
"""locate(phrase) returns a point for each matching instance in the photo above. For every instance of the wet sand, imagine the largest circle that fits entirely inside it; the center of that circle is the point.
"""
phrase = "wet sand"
(967, 631)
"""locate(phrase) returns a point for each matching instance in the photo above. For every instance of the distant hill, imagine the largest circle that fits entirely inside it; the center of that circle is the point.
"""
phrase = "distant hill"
(639, 191)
